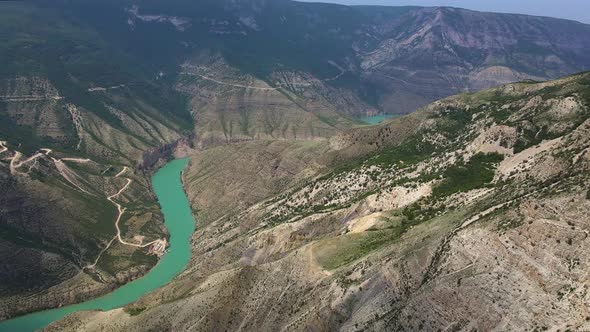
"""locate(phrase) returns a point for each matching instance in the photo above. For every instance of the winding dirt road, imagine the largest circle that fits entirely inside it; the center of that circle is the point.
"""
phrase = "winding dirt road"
(121, 210)
(159, 245)
(3, 146)
(15, 164)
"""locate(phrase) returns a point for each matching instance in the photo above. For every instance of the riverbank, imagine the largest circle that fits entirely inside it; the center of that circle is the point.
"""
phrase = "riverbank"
(167, 185)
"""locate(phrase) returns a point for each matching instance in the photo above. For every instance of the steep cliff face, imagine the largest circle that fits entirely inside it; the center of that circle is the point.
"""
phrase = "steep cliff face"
(230, 106)
(468, 214)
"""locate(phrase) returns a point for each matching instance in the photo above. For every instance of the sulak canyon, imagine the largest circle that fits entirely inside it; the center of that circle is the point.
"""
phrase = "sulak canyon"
(273, 165)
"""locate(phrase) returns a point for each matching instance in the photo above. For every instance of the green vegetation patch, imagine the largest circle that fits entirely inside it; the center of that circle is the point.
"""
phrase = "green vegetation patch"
(134, 311)
(412, 151)
(334, 253)
(476, 173)
(342, 250)
(454, 120)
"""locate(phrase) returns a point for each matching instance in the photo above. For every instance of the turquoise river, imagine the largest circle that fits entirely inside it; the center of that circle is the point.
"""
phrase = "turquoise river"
(181, 225)
(376, 119)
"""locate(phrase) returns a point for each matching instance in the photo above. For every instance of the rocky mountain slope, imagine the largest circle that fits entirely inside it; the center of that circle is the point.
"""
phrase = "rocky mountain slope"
(64, 169)
(69, 146)
(468, 214)
(431, 53)
(388, 59)
(94, 93)
(230, 106)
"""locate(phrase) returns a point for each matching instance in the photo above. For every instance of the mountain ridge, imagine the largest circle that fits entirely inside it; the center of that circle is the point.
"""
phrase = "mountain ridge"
(92, 90)
(478, 198)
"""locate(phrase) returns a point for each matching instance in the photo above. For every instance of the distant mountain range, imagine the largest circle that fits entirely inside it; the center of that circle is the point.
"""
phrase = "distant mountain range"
(408, 54)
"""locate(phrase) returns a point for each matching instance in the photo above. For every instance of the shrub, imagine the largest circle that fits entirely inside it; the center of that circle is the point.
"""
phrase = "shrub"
(476, 173)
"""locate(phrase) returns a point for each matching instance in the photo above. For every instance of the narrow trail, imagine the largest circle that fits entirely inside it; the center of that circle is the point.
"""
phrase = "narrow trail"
(68, 174)
(400, 80)
(121, 211)
(93, 265)
(122, 172)
(77, 160)
(3, 146)
(101, 89)
(483, 214)
(77, 121)
(489, 211)
(64, 171)
(342, 72)
(29, 98)
(15, 164)
(28, 160)
(279, 85)
(231, 84)
(159, 245)
(13, 159)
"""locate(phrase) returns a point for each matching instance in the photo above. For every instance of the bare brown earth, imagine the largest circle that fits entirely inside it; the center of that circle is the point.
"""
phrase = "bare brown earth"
(379, 246)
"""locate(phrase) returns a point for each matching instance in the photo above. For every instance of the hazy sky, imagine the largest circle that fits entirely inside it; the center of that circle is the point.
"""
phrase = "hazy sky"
(578, 10)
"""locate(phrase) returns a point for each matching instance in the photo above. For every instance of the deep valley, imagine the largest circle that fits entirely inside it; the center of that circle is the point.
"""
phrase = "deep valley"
(353, 168)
